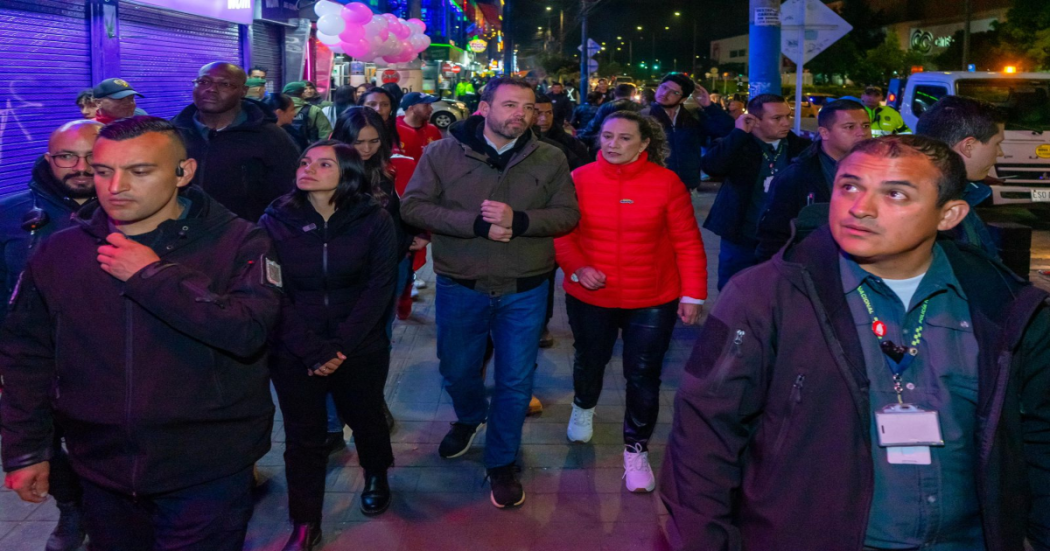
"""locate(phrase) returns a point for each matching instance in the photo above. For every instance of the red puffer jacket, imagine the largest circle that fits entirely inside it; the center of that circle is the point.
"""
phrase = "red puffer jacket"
(637, 227)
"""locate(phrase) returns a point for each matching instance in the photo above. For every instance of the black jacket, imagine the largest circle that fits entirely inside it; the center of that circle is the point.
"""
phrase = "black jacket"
(562, 107)
(802, 183)
(689, 133)
(339, 279)
(244, 167)
(575, 152)
(46, 193)
(160, 382)
(736, 159)
(589, 135)
(771, 445)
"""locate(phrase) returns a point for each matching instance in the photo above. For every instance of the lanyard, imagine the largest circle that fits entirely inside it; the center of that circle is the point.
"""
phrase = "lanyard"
(889, 349)
(776, 155)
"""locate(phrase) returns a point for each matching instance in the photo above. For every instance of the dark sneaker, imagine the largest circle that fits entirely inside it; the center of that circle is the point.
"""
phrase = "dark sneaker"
(458, 440)
(506, 490)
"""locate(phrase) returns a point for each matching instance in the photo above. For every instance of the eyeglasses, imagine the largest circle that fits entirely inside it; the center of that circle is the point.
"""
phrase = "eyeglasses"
(667, 90)
(69, 160)
(220, 84)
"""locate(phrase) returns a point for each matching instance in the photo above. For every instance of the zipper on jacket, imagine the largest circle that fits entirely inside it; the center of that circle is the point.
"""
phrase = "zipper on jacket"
(128, 362)
(324, 264)
(738, 342)
(796, 389)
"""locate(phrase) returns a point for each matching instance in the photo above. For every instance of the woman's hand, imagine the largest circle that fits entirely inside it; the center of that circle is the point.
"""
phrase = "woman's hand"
(329, 367)
(689, 313)
(590, 278)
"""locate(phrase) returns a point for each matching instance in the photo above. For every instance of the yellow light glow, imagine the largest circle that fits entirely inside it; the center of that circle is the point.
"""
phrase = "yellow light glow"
(1010, 69)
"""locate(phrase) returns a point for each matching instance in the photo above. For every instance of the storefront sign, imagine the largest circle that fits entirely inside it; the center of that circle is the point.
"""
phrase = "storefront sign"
(234, 11)
(390, 76)
(478, 45)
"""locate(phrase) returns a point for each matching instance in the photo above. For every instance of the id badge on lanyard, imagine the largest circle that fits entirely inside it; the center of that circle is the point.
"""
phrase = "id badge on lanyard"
(906, 431)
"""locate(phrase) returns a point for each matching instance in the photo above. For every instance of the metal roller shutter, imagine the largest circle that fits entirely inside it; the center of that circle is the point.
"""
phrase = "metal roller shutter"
(45, 63)
(162, 51)
(268, 52)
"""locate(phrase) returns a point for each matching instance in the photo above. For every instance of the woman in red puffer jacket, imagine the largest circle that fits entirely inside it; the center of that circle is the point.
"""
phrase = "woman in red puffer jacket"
(634, 263)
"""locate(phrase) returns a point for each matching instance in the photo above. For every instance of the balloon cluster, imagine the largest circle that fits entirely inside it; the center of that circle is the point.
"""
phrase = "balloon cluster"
(354, 30)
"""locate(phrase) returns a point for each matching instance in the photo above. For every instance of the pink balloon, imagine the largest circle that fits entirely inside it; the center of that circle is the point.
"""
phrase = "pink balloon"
(384, 34)
(356, 48)
(390, 18)
(402, 30)
(352, 33)
(419, 24)
(356, 13)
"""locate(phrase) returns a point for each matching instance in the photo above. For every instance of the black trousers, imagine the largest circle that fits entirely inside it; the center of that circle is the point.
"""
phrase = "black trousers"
(212, 516)
(357, 390)
(64, 482)
(646, 336)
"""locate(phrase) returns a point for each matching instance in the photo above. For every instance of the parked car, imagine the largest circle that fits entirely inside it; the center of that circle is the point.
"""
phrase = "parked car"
(447, 112)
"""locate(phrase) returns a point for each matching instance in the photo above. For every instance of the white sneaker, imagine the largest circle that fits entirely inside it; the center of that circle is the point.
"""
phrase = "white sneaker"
(637, 472)
(581, 424)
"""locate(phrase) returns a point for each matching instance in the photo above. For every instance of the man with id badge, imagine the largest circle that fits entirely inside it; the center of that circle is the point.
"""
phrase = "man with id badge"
(874, 387)
(747, 160)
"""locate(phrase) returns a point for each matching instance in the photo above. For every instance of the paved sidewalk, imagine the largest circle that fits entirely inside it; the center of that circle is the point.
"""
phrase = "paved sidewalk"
(575, 497)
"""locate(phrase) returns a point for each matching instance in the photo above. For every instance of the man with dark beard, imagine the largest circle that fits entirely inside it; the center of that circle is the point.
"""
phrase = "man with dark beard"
(62, 182)
(493, 197)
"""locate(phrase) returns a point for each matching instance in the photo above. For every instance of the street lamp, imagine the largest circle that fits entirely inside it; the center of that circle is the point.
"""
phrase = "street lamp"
(676, 14)
(639, 27)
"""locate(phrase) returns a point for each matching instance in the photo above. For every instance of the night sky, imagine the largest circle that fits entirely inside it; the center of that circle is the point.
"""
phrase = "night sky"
(613, 18)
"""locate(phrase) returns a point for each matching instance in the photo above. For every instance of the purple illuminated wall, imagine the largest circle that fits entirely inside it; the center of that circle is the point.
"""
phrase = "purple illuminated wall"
(234, 11)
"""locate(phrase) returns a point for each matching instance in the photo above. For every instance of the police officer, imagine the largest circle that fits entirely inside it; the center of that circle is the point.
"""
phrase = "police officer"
(61, 183)
(885, 120)
(151, 359)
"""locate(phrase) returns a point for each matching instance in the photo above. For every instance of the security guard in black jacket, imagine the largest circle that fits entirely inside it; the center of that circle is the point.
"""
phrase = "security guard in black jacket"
(62, 182)
(151, 359)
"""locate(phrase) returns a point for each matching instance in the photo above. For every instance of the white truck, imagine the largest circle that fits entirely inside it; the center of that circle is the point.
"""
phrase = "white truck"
(1024, 97)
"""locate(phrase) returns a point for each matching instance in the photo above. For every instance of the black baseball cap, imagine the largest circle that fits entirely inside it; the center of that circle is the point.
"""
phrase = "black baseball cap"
(115, 88)
(415, 98)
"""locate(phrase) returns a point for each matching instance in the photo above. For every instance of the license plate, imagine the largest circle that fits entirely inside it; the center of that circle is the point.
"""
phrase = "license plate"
(1041, 195)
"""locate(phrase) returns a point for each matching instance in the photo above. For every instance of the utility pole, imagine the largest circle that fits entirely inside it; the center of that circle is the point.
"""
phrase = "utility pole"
(968, 10)
(508, 42)
(694, 48)
(584, 57)
(561, 32)
(764, 47)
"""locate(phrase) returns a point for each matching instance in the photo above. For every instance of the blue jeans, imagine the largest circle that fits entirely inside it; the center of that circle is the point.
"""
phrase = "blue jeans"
(465, 319)
(404, 271)
(734, 258)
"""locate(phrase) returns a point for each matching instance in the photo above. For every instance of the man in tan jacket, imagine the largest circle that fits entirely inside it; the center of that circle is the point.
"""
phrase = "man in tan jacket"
(494, 198)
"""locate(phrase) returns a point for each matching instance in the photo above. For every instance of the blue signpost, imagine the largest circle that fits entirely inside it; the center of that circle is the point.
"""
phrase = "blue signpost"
(764, 47)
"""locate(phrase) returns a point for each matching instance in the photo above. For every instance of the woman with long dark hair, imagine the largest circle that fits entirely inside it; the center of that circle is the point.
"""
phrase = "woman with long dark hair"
(337, 247)
(384, 103)
(634, 263)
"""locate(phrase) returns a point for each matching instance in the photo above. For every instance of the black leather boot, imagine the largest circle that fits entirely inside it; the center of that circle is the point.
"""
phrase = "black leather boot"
(305, 535)
(375, 498)
(69, 532)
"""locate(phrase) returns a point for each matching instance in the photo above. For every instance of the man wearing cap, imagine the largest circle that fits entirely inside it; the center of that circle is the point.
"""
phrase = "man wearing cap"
(115, 99)
(310, 121)
(256, 88)
(416, 121)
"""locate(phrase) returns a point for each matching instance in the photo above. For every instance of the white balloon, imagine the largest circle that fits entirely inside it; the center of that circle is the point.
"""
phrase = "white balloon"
(331, 24)
(327, 39)
(324, 7)
(379, 21)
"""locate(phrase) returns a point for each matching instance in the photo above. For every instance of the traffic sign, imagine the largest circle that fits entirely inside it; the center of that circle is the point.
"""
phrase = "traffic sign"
(592, 66)
(811, 24)
(592, 47)
(390, 76)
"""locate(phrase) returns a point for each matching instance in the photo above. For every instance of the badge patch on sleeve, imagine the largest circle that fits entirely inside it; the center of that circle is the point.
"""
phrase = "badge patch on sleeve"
(271, 273)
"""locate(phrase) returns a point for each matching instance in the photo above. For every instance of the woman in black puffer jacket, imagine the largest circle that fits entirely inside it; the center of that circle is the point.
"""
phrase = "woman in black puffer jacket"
(337, 246)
